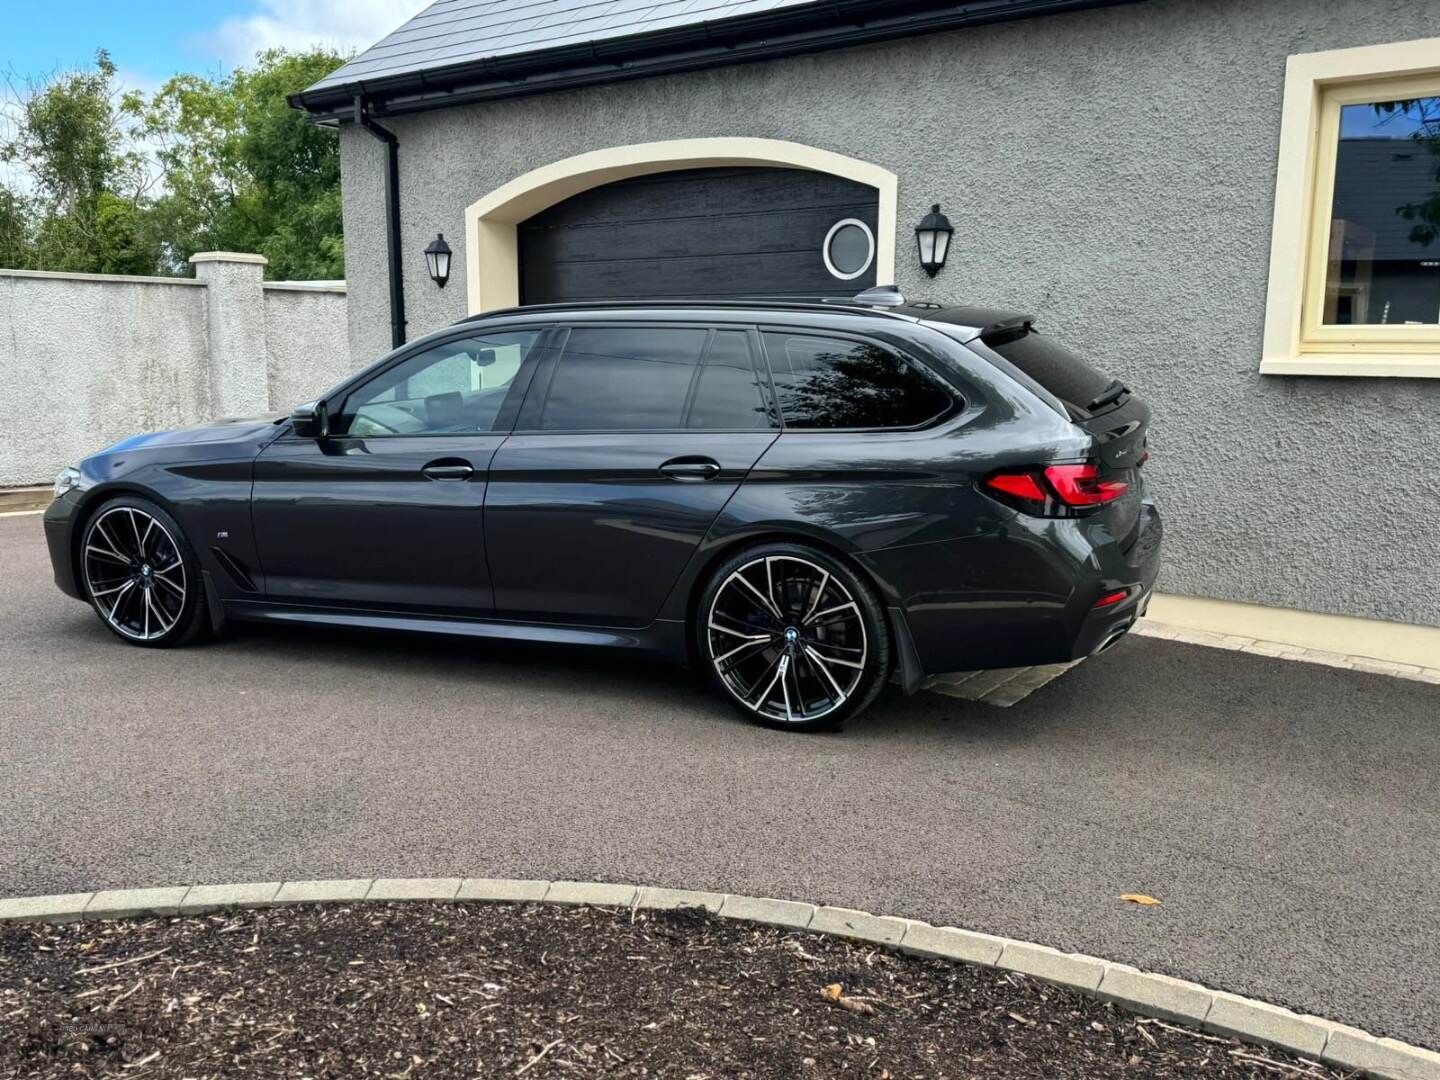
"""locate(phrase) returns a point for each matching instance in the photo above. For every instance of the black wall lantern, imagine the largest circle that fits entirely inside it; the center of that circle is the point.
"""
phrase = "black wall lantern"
(437, 260)
(932, 237)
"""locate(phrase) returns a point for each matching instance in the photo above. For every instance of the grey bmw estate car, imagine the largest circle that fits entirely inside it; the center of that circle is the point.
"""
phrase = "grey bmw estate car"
(805, 499)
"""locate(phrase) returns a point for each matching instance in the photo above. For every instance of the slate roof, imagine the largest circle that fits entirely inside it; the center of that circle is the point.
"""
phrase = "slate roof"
(457, 51)
(455, 31)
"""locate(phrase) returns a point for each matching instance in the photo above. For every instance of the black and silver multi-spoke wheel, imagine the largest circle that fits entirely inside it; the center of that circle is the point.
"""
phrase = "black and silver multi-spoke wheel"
(795, 637)
(140, 575)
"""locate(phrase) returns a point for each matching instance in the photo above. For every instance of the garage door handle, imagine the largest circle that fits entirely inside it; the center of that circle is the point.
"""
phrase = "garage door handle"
(447, 470)
(691, 469)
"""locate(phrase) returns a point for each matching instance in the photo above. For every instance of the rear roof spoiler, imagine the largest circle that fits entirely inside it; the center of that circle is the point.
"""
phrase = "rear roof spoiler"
(1003, 328)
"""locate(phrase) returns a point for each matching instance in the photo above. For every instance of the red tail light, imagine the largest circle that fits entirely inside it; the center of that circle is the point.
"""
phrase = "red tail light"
(1080, 485)
(1111, 599)
(1021, 485)
(1056, 491)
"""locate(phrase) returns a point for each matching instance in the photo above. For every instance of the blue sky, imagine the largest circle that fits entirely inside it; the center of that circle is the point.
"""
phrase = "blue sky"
(150, 40)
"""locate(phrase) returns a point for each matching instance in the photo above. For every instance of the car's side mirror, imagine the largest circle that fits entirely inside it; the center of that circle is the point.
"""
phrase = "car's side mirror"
(311, 420)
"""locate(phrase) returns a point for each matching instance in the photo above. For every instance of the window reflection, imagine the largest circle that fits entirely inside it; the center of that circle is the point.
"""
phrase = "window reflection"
(827, 383)
(1384, 245)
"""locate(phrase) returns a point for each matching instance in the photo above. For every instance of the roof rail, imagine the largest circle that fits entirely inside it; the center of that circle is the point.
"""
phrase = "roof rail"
(829, 305)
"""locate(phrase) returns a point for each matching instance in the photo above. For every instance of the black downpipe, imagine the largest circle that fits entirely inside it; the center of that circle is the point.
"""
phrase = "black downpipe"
(392, 219)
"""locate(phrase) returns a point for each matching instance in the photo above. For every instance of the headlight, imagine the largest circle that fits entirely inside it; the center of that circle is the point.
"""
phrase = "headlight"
(68, 480)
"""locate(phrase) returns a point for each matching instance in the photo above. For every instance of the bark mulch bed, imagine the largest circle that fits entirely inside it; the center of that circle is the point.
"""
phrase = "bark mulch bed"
(454, 990)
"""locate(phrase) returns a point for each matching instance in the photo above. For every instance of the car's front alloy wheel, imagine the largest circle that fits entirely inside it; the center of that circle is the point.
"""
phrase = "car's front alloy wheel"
(796, 638)
(139, 575)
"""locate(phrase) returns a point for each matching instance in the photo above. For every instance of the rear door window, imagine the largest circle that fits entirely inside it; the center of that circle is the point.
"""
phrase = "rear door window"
(728, 394)
(622, 378)
(639, 378)
(825, 382)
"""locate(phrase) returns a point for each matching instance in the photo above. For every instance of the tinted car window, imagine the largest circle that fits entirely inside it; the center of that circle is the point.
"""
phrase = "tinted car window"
(728, 395)
(452, 388)
(622, 379)
(1052, 365)
(833, 383)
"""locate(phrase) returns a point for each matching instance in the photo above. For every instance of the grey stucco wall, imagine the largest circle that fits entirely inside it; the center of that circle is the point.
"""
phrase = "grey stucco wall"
(1112, 171)
(84, 363)
(306, 347)
(87, 360)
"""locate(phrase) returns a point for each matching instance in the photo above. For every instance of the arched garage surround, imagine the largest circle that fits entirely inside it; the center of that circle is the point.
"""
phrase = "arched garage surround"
(492, 269)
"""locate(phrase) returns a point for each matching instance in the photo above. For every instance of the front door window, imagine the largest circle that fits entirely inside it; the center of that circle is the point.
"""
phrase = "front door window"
(457, 387)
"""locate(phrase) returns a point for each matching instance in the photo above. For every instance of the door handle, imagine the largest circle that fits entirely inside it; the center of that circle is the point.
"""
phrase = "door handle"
(448, 470)
(691, 469)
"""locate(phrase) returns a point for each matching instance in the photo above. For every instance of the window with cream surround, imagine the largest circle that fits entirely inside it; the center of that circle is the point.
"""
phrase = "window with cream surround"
(1355, 250)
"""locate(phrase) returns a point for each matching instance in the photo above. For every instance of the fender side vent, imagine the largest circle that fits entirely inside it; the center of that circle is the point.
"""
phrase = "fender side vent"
(235, 568)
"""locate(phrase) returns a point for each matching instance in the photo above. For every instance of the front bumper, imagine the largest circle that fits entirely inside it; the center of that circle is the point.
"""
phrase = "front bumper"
(60, 521)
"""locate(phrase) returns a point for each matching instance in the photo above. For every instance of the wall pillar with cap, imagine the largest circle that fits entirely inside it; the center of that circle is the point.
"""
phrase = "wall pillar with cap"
(235, 326)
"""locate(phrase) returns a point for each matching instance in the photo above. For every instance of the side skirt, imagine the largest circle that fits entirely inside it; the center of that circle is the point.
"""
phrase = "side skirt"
(663, 639)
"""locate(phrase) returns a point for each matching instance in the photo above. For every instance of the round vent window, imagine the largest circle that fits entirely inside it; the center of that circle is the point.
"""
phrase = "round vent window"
(849, 249)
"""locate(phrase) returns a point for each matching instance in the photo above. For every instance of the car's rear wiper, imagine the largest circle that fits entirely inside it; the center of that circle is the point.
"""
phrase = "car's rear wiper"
(1111, 394)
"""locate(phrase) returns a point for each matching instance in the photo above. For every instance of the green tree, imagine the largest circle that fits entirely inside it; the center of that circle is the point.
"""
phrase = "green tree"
(15, 242)
(245, 172)
(133, 183)
(69, 136)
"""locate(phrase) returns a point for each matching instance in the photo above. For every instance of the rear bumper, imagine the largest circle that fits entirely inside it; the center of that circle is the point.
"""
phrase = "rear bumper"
(59, 538)
(1134, 568)
(1019, 597)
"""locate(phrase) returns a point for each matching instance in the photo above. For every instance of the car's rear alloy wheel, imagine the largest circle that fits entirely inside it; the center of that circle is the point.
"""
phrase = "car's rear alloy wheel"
(794, 637)
(138, 576)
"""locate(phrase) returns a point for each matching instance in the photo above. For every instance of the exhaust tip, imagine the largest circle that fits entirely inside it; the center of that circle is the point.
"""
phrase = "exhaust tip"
(1111, 640)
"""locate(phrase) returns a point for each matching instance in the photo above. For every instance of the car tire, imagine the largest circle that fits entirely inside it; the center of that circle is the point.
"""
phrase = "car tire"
(793, 636)
(141, 575)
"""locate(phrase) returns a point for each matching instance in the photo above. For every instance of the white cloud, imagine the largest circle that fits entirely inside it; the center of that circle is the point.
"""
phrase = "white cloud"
(127, 79)
(346, 25)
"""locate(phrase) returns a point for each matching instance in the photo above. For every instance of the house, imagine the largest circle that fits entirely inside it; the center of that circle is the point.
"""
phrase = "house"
(1233, 204)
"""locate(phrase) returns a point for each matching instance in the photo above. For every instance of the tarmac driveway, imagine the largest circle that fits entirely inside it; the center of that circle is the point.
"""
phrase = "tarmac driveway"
(1285, 813)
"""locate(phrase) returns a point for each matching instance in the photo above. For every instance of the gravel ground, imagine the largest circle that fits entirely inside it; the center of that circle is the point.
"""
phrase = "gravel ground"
(1285, 813)
(489, 990)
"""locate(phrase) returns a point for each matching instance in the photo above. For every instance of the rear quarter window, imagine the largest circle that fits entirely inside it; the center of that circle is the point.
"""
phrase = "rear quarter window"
(824, 382)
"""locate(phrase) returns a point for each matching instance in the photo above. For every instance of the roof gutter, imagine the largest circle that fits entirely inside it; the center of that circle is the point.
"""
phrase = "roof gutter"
(802, 28)
(363, 118)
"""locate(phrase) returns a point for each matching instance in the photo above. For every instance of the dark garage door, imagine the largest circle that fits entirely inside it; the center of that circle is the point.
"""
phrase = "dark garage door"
(703, 232)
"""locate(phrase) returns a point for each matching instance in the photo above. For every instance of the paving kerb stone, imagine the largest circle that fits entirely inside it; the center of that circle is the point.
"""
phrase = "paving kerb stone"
(1158, 995)
(122, 903)
(1355, 1049)
(1259, 1021)
(61, 907)
(860, 925)
(316, 892)
(664, 899)
(513, 890)
(1052, 965)
(413, 889)
(202, 898)
(591, 892)
(950, 943)
(762, 909)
